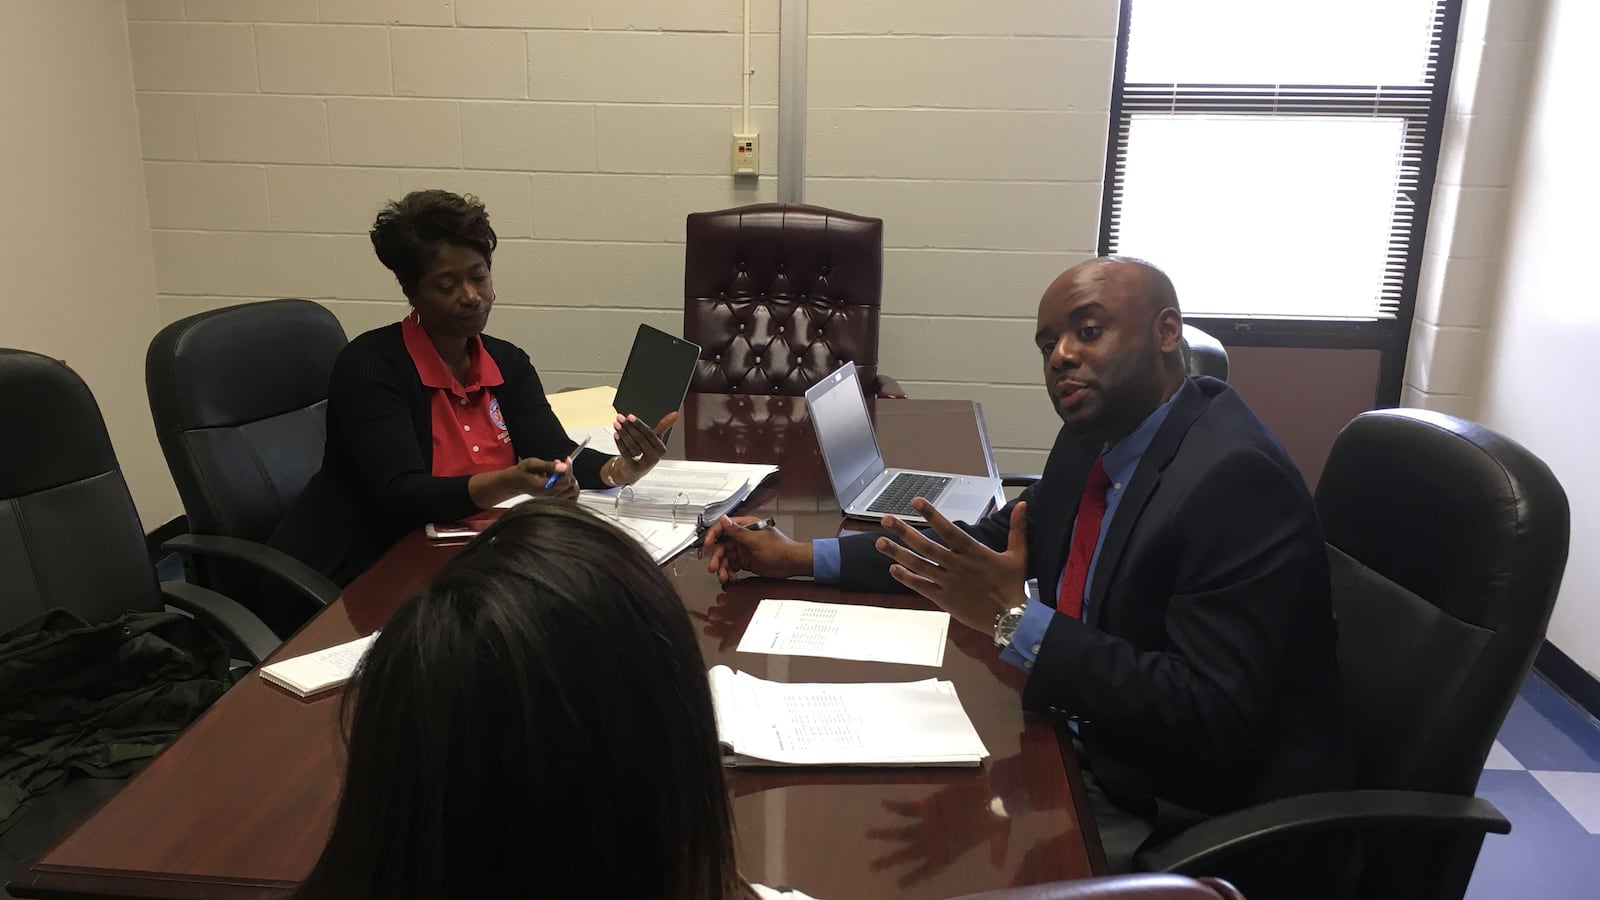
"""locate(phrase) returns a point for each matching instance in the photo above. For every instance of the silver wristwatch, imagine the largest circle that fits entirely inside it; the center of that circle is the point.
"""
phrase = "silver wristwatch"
(1005, 625)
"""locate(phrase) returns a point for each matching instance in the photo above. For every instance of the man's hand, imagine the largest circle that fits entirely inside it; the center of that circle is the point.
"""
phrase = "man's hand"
(964, 578)
(768, 552)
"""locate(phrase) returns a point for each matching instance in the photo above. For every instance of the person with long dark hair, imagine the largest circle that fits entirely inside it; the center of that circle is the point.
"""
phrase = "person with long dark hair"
(430, 419)
(535, 723)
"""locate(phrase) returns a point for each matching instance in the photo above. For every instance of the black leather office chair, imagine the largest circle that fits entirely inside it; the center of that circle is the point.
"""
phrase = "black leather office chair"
(1119, 887)
(1202, 355)
(70, 538)
(1447, 542)
(238, 396)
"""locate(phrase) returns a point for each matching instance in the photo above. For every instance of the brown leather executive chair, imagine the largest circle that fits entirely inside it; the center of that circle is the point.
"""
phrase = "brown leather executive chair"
(778, 295)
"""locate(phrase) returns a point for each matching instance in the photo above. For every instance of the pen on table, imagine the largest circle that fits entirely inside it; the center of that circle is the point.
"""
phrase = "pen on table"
(555, 476)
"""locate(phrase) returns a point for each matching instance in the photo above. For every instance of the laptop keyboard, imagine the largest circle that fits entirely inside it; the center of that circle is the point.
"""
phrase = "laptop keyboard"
(906, 487)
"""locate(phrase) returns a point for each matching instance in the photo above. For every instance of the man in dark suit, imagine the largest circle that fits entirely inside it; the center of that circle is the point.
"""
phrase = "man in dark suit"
(1164, 583)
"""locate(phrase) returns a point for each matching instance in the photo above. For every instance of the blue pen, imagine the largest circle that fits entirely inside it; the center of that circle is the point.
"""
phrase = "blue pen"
(554, 477)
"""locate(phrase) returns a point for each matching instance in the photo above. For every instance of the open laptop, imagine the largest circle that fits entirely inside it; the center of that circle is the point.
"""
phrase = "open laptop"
(865, 487)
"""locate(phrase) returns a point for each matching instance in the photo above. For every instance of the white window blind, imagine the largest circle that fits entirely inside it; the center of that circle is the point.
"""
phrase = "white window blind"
(1270, 154)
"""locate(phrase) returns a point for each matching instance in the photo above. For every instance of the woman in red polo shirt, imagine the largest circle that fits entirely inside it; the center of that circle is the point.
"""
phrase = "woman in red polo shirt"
(430, 419)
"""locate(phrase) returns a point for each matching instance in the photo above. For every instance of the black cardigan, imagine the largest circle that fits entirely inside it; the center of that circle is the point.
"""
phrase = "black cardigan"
(376, 481)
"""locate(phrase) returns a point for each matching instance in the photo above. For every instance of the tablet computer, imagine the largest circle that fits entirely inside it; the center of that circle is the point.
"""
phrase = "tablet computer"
(657, 374)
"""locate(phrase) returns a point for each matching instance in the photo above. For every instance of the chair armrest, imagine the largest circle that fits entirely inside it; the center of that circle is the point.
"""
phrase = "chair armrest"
(223, 617)
(1198, 849)
(306, 581)
(1017, 479)
(1115, 887)
(888, 389)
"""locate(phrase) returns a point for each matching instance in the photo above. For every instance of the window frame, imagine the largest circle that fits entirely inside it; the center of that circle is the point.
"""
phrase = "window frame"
(1391, 337)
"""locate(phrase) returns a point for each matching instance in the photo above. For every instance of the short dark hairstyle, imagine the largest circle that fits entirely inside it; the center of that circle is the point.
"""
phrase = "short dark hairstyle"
(409, 231)
(535, 723)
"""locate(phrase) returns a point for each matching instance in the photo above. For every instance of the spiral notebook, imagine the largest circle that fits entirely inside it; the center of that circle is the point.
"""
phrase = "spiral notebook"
(313, 673)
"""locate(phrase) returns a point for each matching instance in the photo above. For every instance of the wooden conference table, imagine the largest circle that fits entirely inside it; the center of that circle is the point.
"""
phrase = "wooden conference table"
(240, 804)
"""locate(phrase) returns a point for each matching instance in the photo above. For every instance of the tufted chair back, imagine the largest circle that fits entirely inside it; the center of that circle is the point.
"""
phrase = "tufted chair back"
(778, 295)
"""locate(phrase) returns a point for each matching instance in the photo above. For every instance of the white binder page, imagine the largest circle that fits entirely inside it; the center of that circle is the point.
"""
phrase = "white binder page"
(663, 540)
(912, 637)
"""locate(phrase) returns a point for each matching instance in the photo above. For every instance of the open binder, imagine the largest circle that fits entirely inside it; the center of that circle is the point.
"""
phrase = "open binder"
(681, 491)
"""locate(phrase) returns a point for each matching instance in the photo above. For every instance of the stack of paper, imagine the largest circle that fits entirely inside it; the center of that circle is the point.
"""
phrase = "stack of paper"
(584, 408)
(587, 413)
(913, 637)
(764, 723)
(319, 671)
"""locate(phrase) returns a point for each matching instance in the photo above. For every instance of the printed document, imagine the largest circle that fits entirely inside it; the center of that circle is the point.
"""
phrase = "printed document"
(766, 723)
(912, 637)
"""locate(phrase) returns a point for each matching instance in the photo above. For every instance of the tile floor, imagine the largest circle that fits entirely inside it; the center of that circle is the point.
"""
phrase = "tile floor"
(1544, 775)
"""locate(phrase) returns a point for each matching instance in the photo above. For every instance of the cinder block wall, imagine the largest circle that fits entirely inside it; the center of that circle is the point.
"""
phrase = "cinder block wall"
(273, 130)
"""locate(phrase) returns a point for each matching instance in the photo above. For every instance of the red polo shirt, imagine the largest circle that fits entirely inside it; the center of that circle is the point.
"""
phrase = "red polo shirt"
(469, 431)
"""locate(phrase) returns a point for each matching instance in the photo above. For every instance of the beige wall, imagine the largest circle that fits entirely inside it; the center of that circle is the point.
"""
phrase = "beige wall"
(76, 249)
(1495, 54)
(1538, 364)
(977, 131)
(273, 131)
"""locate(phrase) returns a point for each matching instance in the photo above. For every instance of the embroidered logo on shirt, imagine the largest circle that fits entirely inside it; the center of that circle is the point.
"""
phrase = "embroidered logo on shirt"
(495, 416)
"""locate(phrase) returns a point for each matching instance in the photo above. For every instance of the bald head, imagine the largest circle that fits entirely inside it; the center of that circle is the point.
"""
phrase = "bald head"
(1110, 334)
(1134, 280)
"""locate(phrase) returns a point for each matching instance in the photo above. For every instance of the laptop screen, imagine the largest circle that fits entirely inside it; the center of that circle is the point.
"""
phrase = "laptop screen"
(849, 446)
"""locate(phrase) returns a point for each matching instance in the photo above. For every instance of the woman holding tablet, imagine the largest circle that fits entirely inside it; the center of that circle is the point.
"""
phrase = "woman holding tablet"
(432, 420)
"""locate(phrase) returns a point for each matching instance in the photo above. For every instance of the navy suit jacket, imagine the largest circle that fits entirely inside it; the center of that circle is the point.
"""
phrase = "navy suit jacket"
(1204, 678)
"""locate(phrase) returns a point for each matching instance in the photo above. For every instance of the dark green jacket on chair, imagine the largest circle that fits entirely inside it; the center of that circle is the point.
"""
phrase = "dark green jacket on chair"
(100, 700)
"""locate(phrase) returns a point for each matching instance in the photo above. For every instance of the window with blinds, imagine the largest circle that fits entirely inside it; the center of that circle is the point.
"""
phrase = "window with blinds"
(1276, 157)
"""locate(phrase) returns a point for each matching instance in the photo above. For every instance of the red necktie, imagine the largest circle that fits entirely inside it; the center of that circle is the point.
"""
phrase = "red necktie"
(1085, 535)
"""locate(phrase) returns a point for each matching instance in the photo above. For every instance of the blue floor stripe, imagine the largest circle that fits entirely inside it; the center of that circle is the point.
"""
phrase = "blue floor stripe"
(1545, 731)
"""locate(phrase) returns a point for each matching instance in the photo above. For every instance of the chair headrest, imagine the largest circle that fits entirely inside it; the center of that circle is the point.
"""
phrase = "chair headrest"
(786, 248)
(1450, 510)
(42, 396)
(242, 364)
(1204, 354)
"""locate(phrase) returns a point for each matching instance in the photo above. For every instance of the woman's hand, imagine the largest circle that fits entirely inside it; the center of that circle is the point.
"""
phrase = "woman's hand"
(640, 447)
(528, 476)
(538, 474)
